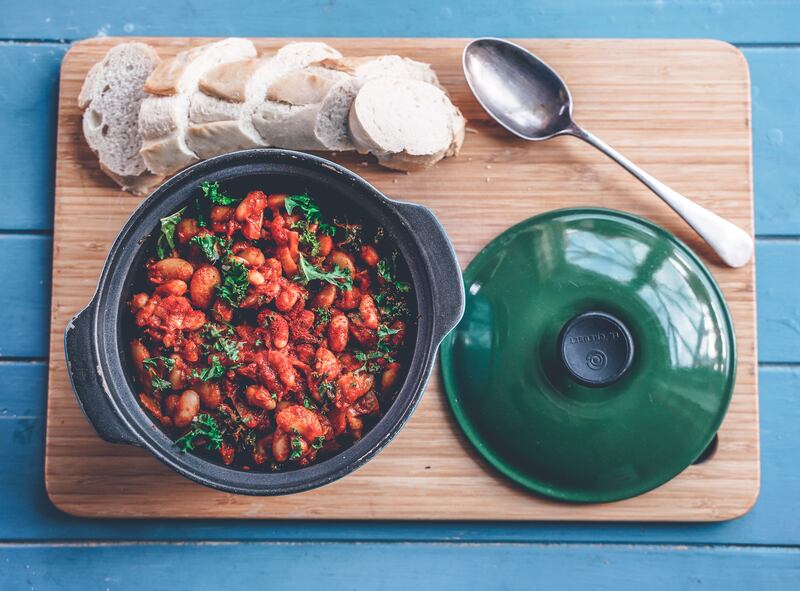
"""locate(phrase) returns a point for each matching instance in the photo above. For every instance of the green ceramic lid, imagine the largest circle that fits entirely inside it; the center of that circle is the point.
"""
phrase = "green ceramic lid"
(595, 360)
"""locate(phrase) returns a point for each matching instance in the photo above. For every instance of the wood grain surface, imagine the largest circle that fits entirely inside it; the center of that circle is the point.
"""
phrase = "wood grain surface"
(681, 109)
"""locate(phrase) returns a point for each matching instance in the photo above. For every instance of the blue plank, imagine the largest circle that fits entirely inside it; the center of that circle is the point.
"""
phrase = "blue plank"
(777, 270)
(26, 514)
(776, 138)
(25, 262)
(27, 126)
(734, 20)
(23, 388)
(395, 566)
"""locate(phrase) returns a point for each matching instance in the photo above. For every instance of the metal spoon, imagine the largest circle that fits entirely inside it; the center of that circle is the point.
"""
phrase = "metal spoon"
(527, 97)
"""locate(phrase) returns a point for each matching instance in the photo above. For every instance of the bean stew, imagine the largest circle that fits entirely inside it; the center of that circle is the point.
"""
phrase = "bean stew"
(268, 336)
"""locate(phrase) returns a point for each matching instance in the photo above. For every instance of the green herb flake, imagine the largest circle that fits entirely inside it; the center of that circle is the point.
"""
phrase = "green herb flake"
(387, 270)
(217, 197)
(322, 316)
(203, 426)
(384, 332)
(208, 244)
(151, 363)
(325, 389)
(166, 239)
(307, 237)
(338, 277)
(297, 446)
(391, 305)
(228, 346)
(215, 371)
(318, 442)
(160, 384)
(234, 283)
(310, 211)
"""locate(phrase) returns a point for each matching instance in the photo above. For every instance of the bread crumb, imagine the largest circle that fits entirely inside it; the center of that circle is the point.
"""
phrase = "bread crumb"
(488, 166)
(365, 163)
(394, 180)
(488, 179)
(470, 130)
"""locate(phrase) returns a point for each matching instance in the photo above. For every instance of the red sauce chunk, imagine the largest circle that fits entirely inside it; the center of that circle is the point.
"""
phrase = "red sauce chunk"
(268, 336)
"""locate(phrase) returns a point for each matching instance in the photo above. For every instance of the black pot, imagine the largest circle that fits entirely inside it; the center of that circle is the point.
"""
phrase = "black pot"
(96, 340)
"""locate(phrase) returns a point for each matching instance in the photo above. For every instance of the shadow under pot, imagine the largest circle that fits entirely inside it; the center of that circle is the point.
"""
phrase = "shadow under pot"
(97, 339)
(596, 357)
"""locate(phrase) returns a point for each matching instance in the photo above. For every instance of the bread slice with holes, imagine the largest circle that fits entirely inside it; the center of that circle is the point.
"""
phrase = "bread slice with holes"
(164, 116)
(110, 98)
(407, 124)
(221, 111)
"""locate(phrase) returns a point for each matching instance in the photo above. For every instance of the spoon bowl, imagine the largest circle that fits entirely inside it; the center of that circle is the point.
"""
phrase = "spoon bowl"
(527, 97)
(520, 91)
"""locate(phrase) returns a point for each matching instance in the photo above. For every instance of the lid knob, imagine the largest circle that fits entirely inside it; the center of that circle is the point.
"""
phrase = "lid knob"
(596, 348)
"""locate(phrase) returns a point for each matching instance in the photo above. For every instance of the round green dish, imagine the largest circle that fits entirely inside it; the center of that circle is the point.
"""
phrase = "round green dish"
(664, 330)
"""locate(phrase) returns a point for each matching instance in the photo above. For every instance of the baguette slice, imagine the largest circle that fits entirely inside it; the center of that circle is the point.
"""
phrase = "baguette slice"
(110, 98)
(331, 126)
(407, 124)
(164, 117)
(288, 118)
(221, 112)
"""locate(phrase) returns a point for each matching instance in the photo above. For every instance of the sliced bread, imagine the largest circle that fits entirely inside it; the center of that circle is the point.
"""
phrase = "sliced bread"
(407, 124)
(288, 116)
(308, 109)
(221, 112)
(164, 116)
(110, 98)
(331, 127)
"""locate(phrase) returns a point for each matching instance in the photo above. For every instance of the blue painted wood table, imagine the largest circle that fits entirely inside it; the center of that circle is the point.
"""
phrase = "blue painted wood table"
(43, 548)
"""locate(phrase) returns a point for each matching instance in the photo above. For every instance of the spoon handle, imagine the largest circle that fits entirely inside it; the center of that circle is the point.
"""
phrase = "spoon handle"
(730, 242)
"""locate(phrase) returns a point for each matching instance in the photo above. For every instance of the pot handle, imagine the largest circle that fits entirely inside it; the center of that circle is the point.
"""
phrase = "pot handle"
(87, 384)
(447, 283)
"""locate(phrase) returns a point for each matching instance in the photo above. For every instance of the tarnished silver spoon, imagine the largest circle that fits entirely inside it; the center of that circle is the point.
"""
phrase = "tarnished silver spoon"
(527, 97)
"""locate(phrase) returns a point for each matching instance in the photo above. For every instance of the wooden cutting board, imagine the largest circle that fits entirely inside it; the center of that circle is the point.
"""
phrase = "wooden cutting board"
(681, 109)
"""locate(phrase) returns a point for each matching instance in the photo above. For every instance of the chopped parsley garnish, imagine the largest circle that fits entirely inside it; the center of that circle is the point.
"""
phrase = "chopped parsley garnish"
(234, 283)
(391, 305)
(201, 221)
(384, 332)
(212, 246)
(151, 363)
(213, 332)
(166, 240)
(318, 442)
(387, 270)
(325, 389)
(307, 237)
(228, 346)
(215, 371)
(309, 404)
(160, 383)
(297, 446)
(338, 277)
(369, 360)
(322, 316)
(217, 197)
(203, 426)
(311, 212)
